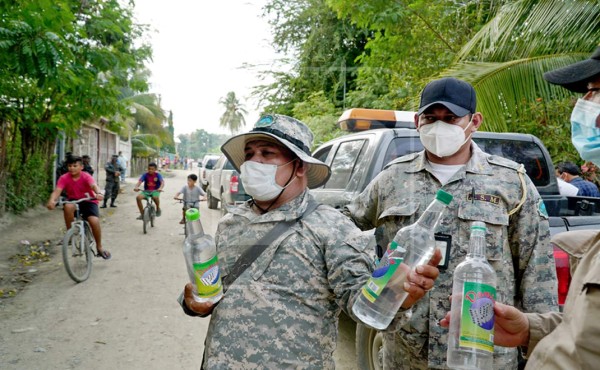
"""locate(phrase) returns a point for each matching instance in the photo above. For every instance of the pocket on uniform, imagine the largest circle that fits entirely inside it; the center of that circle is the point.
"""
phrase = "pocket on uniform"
(495, 217)
(406, 210)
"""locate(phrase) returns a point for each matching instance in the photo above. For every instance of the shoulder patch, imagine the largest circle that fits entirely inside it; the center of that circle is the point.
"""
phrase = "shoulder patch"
(542, 209)
(403, 159)
(504, 162)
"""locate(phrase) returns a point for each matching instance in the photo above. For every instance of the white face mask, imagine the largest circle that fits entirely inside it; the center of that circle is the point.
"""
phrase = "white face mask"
(443, 139)
(259, 180)
(584, 133)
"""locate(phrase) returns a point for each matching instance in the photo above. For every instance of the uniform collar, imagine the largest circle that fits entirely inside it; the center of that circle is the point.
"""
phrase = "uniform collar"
(478, 162)
(289, 211)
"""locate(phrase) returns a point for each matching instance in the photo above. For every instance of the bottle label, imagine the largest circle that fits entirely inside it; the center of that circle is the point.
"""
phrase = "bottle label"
(208, 278)
(381, 276)
(477, 317)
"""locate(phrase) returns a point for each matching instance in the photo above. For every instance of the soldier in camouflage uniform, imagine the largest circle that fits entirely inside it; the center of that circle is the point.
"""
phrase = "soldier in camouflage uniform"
(485, 188)
(282, 312)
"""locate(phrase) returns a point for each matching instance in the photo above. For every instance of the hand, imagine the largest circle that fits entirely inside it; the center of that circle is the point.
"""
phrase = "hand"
(202, 308)
(51, 204)
(511, 327)
(421, 280)
(117, 173)
(99, 196)
(136, 189)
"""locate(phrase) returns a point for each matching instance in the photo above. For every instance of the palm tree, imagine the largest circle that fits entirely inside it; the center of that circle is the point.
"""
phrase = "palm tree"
(233, 117)
(506, 59)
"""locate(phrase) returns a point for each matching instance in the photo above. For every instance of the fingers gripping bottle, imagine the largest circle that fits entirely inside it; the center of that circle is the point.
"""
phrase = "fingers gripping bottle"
(413, 245)
(471, 335)
(200, 254)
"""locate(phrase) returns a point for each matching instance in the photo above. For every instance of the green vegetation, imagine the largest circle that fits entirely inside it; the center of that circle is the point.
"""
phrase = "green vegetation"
(380, 54)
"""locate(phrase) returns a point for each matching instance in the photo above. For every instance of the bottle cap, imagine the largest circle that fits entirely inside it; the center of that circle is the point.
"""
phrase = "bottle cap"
(443, 197)
(192, 214)
(478, 225)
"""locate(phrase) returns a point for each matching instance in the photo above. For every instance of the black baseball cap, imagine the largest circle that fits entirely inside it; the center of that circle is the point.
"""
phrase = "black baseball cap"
(456, 95)
(575, 77)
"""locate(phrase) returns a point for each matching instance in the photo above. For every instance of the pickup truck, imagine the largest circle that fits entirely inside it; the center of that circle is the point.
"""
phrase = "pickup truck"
(355, 159)
(224, 185)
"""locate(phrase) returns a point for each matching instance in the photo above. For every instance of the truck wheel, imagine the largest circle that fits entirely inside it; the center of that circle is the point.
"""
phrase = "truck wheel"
(369, 348)
(212, 201)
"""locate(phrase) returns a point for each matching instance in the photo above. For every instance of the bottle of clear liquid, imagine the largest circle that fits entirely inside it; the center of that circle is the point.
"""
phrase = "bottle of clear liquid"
(471, 335)
(413, 245)
(200, 254)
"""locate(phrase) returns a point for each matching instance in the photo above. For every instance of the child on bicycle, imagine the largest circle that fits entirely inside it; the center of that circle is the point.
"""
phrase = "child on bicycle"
(153, 185)
(76, 184)
(192, 195)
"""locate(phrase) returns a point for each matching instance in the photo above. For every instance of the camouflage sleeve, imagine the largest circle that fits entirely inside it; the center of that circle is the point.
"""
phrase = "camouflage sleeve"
(363, 210)
(349, 263)
(535, 271)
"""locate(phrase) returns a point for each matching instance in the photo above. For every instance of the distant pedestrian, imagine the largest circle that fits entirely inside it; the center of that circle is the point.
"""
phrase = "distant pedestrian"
(123, 163)
(569, 172)
(113, 175)
(87, 167)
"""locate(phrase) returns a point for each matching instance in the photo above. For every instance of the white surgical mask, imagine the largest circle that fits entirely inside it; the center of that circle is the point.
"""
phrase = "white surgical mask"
(584, 133)
(443, 139)
(259, 180)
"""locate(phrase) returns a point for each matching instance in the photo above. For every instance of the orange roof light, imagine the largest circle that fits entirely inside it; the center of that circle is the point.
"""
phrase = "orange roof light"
(360, 119)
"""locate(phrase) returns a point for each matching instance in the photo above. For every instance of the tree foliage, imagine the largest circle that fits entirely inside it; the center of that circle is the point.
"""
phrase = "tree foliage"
(62, 62)
(233, 118)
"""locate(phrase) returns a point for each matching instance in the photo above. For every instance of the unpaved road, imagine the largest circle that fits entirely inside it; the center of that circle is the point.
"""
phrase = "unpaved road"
(125, 316)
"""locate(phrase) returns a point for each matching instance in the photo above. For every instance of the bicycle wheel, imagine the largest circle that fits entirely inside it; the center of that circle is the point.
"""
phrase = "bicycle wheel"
(77, 254)
(152, 215)
(146, 218)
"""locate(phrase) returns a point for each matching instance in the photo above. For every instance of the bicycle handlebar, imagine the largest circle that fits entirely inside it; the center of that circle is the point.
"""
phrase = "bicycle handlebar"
(63, 200)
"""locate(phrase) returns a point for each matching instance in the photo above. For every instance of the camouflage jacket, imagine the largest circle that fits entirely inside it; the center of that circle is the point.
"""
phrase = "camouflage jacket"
(486, 189)
(111, 168)
(282, 312)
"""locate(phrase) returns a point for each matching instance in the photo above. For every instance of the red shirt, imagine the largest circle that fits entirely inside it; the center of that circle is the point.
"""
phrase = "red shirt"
(76, 189)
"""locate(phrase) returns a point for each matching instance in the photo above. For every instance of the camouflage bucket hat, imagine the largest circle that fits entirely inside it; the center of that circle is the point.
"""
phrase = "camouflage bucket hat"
(283, 130)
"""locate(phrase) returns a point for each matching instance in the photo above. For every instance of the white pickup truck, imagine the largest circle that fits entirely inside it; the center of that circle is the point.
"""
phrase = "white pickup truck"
(225, 186)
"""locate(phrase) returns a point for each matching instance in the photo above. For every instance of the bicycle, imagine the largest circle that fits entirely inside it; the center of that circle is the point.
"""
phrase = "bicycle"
(149, 212)
(78, 244)
(192, 204)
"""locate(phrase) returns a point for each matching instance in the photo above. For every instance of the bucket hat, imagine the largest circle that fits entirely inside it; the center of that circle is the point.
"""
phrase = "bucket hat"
(575, 77)
(456, 95)
(282, 130)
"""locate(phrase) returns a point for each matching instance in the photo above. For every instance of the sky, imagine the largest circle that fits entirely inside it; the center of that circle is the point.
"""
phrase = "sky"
(199, 48)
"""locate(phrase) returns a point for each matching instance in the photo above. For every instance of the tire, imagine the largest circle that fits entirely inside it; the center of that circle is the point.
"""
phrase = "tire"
(146, 219)
(212, 201)
(369, 348)
(78, 263)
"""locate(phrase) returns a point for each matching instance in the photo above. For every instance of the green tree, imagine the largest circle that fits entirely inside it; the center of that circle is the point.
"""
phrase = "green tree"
(505, 61)
(62, 62)
(233, 117)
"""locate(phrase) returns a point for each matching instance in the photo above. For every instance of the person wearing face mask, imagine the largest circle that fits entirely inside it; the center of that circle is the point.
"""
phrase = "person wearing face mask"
(282, 311)
(568, 339)
(486, 188)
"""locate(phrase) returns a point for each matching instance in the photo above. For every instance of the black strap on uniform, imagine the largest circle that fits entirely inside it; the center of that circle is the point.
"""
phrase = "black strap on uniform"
(252, 253)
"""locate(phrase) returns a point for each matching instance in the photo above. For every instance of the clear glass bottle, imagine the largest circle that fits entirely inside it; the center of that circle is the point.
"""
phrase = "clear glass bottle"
(471, 335)
(413, 245)
(200, 254)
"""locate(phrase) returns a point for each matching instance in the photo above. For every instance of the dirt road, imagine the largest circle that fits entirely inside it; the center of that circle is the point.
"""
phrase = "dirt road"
(126, 315)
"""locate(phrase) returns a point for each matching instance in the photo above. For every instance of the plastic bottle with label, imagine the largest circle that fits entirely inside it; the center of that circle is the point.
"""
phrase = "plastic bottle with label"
(413, 245)
(471, 334)
(200, 254)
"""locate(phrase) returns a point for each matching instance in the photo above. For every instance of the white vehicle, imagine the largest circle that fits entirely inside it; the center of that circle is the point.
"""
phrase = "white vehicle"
(205, 167)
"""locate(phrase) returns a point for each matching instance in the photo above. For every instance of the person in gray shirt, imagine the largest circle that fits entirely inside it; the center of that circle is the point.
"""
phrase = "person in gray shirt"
(192, 195)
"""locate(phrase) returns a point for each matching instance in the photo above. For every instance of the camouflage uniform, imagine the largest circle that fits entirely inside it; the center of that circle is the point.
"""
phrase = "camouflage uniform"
(282, 312)
(486, 189)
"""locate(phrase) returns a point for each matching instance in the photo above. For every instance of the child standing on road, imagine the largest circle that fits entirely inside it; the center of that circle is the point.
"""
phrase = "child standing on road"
(76, 184)
(192, 195)
(153, 185)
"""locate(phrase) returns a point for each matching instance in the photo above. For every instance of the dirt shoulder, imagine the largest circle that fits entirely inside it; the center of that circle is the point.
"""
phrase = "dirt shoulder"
(27, 244)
